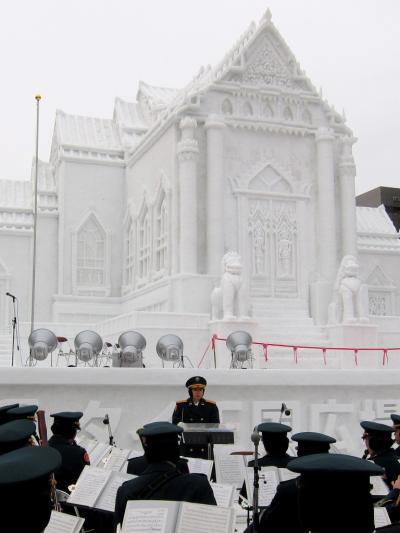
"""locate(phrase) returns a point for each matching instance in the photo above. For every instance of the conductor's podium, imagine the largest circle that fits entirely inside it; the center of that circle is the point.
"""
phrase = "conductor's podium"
(206, 435)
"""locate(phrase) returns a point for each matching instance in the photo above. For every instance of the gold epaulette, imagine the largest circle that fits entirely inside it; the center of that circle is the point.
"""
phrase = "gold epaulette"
(211, 401)
(181, 401)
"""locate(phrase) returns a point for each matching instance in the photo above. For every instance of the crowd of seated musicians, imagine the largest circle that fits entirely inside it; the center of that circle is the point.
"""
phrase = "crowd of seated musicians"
(330, 495)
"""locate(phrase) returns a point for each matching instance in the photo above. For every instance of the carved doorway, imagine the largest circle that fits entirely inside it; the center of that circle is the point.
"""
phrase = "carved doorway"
(273, 247)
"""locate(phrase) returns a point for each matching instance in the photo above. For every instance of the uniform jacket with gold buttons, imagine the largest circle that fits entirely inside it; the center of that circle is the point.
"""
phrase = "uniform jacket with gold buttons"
(205, 412)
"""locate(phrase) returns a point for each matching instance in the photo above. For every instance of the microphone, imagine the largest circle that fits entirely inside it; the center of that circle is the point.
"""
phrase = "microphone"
(255, 437)
(106, 420)
(11, 295)
(285, 409)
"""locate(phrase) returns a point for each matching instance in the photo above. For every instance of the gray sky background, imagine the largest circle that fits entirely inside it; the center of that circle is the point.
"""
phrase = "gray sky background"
(81, 54)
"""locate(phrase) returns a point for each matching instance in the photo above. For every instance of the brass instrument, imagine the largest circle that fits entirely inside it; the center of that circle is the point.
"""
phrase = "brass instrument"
(42, 429)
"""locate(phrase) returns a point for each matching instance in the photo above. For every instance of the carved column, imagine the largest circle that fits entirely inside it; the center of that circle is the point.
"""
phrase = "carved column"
(326, 229)
(187, 156)
(215, 194)
(347, 174)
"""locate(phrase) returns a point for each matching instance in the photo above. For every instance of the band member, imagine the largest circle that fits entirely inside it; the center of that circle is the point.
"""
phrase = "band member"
(16, 434)
(378, 442)
(162, 480)
(25, 488)
(3, 412)
(74, 457)
(276, 443)
(396, 426)
(24, 412)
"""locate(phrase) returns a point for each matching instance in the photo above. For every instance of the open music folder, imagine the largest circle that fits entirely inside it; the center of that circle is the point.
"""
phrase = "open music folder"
(142, 516)
(64, 523)
(97, 487)
(269, 479)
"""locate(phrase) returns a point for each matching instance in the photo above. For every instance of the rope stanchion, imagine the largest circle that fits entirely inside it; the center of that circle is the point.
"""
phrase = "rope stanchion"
(265, 351)
(295, 348)
(385, 357)
(324, 355)
(356, 356)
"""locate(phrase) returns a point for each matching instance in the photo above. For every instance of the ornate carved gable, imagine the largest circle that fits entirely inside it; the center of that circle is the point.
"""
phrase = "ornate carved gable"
(378, 278)
(268, 179)
(264, 60)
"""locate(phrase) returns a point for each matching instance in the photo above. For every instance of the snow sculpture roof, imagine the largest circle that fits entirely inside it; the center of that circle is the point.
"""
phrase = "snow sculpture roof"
(376, 230)
(46, 181)
(15, 194)
(88, 132)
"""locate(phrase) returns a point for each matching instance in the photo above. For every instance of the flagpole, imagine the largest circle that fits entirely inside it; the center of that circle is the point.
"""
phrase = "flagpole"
(37, 98)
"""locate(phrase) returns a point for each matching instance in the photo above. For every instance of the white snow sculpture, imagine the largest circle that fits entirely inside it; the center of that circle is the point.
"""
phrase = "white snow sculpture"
(350, 296)
(225, 299)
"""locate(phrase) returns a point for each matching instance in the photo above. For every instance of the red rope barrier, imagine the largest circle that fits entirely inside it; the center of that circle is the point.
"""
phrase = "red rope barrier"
(324, 349)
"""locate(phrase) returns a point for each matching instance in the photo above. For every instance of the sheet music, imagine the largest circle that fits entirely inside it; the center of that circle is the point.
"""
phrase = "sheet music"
(145, 520)
(379, 487)
(89, 486)
(286, 474)
(116, 459)
(200, 466)
(229, 469)
(106, 500)
(199, 518)
(64, 523)
(87, 443)
(268, 483)
(143, 516)
(381, 517)
(134, 453)
(223, 494)
(99, 453)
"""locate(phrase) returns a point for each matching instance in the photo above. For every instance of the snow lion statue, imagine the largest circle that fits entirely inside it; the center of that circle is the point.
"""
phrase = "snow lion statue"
(350, 295)
(225, 300)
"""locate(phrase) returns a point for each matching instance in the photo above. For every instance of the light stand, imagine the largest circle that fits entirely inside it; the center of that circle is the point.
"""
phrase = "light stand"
(255, 437)
(15, 330)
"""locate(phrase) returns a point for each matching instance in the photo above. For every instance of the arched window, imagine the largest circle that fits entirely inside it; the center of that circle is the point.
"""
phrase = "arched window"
(129, 253)
(267, 110)
(144, 244)
(287, 113)
(91, 254)
(306, 116)
(161, 244)
(247, 109)
(227, 107)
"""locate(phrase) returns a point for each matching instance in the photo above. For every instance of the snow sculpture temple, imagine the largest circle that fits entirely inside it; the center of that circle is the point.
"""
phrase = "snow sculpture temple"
(240, 186)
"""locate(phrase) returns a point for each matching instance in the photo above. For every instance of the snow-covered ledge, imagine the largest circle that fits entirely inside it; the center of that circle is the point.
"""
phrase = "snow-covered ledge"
(332, 401)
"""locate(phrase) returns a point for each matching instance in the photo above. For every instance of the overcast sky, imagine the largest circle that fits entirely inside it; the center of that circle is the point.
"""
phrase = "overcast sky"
(81, 54)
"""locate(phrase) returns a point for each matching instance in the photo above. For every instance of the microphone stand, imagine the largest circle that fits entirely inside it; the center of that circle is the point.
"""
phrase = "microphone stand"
(255, 437)
(15, 339)
(111, 440)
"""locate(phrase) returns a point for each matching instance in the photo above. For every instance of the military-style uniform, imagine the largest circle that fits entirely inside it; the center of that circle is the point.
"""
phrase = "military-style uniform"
(205, 412)
(74, 459)
(193, 488)
(137, 465)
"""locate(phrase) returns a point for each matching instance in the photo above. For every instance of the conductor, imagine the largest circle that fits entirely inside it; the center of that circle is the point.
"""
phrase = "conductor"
(196, 409)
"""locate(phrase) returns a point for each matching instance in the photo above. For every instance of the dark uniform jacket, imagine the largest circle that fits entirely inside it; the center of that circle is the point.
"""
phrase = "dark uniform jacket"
(193, 488)
(280, 461)
(388, 460)
(282, 513)
(205, 412)
(137, 465)
(74, 459)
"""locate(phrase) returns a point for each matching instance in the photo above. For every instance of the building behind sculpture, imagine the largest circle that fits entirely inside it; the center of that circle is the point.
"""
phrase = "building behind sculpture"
(386, 196)
(137, 212)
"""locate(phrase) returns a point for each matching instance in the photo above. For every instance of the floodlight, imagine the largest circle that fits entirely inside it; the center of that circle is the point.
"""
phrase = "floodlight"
(239, 344)
(170, 349)
(41, 343)
(88, 344)
(131, 344)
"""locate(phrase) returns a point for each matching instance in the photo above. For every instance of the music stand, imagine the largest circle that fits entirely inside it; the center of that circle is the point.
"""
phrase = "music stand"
(207, 435)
